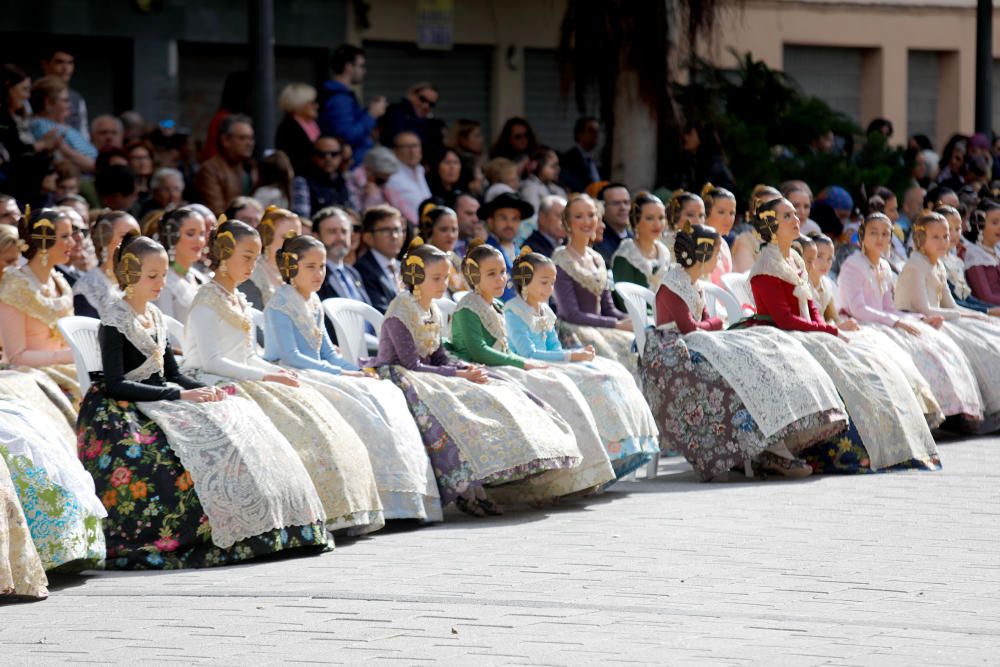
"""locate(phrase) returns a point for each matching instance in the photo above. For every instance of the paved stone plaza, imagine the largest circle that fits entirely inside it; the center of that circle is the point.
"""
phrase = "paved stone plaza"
(896, 569)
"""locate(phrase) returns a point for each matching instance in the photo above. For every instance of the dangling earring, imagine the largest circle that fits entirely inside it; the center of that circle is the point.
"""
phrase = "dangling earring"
(416, 291)
(45, 257)
(223, 269)
(129, 291)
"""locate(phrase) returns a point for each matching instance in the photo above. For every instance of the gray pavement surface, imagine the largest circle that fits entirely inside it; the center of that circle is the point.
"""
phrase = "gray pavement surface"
(891, 569)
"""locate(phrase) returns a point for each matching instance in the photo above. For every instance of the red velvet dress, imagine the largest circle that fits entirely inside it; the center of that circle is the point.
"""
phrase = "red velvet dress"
(672, 308)
(776, 299)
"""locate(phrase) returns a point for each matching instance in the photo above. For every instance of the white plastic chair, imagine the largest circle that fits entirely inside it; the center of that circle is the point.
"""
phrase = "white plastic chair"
(715, 295)
(349, 318)
(447, 308)
(457, 296)
(80, 333)
(175, 331)
(637, 298)
(739, 286)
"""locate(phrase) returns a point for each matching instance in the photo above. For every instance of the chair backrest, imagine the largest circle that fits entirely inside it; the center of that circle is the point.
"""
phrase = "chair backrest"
(80, 333)
(175, 331)
(447, 308)
(349, 318)
(637, 300)
(715, 295)
(457, 296)
(738, 285)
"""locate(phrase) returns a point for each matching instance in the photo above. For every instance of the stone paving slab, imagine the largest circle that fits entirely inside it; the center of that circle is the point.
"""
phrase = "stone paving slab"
(893, 569)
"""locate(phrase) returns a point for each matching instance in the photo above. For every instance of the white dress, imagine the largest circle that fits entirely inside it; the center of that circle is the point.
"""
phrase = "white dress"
(176, 298)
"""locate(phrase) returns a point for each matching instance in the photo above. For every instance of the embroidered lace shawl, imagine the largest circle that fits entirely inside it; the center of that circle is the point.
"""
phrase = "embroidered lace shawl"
(594, 280)
(97, 288)
(679, 282)
(955, 267)
(490, 317)
(20, 289)
(823, 293)
(183, 288)
(791, 270)
(237, 315)
(538, 322)
(267, 280)
(121, 316)
(423, 325)
(303, 313)
(652, 269)
(978, 255)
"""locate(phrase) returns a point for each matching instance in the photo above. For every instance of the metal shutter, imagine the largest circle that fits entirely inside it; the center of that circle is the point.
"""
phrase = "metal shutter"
(462, 76)
(551, 114)
(829, 73)
(922, 93)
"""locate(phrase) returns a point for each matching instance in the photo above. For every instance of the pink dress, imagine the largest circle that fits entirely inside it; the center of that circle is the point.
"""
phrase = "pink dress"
(724, 265)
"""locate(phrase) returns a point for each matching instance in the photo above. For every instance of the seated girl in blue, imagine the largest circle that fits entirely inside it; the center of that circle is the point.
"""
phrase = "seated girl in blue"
(624, 420)
(295, 336)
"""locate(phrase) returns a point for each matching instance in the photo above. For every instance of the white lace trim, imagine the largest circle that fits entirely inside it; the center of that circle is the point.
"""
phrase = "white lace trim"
(424, 325)
(121, 316)
(652, 269)
(594, 280)
(791, 270)
(978, 255)
(98, 289)
(490, 317)
(679, 282)
(303, 314)
(538, 321)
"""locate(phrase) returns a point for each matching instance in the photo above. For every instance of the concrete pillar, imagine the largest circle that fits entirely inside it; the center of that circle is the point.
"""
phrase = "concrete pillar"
(949, 105)
(883, 88)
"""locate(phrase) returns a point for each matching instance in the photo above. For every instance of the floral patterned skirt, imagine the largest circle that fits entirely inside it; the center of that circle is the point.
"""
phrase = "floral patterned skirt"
(21, 572)
(846, 455)
(701, 415)
(155, 519)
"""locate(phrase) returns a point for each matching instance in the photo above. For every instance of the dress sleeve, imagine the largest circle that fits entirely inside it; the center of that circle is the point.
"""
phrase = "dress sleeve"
(398, 336)
(113, 343)
(521, 342)
(851, 283)
(672, 308)
(287, 342)
(608, 308)
(916, 284)
(468, 329)
(203, 324)
(14, 334)
(978, 277)
(172, 372)
(83, 307)
(772, 298)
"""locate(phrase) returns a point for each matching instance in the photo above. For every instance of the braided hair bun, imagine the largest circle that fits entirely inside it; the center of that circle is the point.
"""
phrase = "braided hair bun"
(224, 238)
(129, 256)
(765, 219)
(695, 244)
(524, 267)
(477, 251)
(291, 251)
(418, 256)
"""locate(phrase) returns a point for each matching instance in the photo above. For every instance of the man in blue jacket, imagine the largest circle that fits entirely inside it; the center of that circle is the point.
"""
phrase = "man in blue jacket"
(341, 115)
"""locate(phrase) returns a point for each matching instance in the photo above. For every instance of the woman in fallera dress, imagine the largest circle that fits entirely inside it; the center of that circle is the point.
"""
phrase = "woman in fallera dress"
(720, 215)
(182, 233)
(188, 479)
(296, 338)
(479, 335)
(954, 264)
(96, 289)
(644, 259)
(624, 422)
(276, 225)
(982, 266)
(479, 432)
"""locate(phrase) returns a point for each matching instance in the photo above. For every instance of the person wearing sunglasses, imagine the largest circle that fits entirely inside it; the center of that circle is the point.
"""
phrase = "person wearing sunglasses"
(327, 186)
(414, 113)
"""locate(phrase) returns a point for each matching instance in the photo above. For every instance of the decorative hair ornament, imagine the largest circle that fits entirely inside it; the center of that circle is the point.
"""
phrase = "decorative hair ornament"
(768, 215)
(131, 271)
(44, 232)
(289, 264)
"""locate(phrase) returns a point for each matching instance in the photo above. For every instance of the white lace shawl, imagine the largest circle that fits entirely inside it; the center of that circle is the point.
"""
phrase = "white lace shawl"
(21, 289)
(287, 300)
(955, 267)
(232, 309)
(593, 280)
(491, 318)
(539, 321)
(652, 269)
(98, 289)
(679, 282)
(791, 270)
(183, 288)
(978, 255)
(121, 316)
(267, 280)
(424, 325)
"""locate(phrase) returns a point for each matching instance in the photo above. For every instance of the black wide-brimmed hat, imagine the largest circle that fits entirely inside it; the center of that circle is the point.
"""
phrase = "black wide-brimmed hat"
(506, 200)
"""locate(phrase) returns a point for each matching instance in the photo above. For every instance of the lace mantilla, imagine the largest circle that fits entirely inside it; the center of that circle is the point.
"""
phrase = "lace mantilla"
(184, 288)
(938, 274)
(423, 325)
(955, 268)
(977, 254)
(20, 289)
(652, 269)
(303, 314)
(791, 270)
(489, 315)
(540, 321)
(679, 282)
(121, 316)
(267, 280)
(98, 289)
(232, 309)
(594, 280)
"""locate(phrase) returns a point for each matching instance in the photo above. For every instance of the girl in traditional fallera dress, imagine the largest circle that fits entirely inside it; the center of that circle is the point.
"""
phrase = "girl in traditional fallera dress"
(188, 479)
(479, 335)
(96, 289)
(954, 264)
(888, 428)
(725, 398)
(478, 431)
(644, 259)
(624, 422)
(276, 225)
(58, 496)
(683, 210)
(182, 233)
(923, 288)
(219, 346)
(376, 409)
(587, 314)
(34, 296)
(439, 226)
(865, 288)
(746, 246)
(982, 266)
(22, 576)
(720, 215)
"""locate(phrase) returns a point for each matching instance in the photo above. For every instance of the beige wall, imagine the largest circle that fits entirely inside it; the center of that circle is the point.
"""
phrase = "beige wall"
(885, 32)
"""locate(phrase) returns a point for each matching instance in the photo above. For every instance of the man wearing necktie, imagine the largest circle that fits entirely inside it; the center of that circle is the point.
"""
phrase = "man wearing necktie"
(333, 228)
(383, 232)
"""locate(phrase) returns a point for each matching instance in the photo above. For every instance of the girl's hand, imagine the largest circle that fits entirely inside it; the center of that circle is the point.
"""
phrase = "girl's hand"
(282, 377)
(355, 374)
(994, 312)
(850, 324)
(934, 320)
(202, 395)
(907, 327)
(586, 354)
(473, 374)
(624, 325)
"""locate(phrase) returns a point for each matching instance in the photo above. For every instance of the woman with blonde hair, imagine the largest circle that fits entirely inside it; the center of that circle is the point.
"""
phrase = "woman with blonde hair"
(298, 130)
(10, 255)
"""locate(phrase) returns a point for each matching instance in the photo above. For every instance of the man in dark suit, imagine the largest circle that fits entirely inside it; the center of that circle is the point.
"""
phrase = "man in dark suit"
(577, 168)
(617, 205)
(383, 232)
(551, 232)
(333, 228)
(503, 215)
